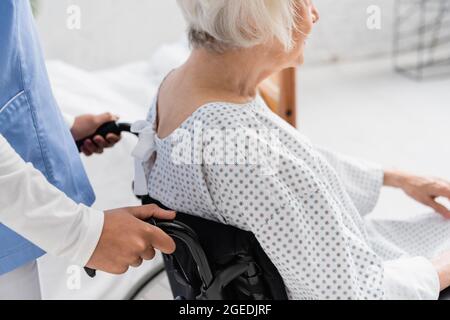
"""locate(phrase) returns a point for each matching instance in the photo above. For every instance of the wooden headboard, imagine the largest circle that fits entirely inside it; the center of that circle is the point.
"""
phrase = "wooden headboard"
(279, 92)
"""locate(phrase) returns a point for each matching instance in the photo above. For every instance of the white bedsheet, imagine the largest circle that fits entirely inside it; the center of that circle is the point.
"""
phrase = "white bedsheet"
(127, 92)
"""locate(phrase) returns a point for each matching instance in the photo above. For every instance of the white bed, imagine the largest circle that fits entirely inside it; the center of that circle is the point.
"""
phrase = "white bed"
(126, 91)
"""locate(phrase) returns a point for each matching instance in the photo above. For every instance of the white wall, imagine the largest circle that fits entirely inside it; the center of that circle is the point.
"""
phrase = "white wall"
(112, 31)
(118, 31)
(342, 32)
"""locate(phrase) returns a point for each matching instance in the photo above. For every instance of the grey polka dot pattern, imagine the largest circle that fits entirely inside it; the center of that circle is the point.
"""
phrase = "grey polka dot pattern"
(308, 214)
(425, 235)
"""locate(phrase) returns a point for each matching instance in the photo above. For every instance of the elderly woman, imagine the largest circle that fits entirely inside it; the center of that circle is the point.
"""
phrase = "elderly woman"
(211, 147)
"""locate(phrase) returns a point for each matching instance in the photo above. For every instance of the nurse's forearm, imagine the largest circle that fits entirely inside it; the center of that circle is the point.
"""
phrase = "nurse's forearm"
(41, 213)
(112, 242)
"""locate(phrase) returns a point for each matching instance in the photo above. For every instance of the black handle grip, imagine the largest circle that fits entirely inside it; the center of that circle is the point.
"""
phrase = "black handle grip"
(105, 129)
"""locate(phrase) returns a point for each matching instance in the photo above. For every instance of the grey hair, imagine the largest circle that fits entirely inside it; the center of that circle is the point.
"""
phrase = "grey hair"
(219, 25)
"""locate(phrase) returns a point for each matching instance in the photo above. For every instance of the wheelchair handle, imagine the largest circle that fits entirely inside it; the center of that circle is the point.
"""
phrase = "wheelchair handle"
(109, 127)
(184, 233)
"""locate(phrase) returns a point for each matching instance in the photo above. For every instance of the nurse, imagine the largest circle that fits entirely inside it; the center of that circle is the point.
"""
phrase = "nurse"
(45, 195)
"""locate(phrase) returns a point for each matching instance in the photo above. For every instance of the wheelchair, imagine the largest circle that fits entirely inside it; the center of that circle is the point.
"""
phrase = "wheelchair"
(217, 262)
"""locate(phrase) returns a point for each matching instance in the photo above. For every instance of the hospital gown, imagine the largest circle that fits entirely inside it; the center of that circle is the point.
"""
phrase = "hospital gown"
(307, 207)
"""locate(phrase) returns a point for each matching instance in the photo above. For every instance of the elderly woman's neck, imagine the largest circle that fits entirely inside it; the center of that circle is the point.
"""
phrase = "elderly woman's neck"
(235, 73)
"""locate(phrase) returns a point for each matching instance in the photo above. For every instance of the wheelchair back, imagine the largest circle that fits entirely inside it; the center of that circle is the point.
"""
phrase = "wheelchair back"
(218, 262)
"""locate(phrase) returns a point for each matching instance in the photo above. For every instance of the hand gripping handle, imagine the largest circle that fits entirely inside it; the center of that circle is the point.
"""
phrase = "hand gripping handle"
(105, 129)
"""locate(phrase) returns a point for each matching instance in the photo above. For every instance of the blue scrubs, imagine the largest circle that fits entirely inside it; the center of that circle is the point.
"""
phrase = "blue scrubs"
(32, 123)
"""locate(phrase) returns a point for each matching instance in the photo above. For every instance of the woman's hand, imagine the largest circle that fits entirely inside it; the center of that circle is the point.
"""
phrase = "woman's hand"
(86, 125)
(424, 190)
